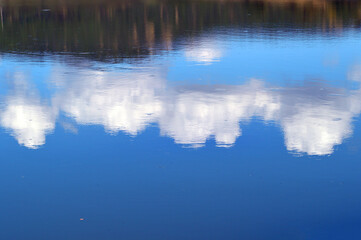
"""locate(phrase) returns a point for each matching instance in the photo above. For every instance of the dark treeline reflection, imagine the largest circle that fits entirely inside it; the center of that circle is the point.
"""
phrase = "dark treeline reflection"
(138, 28)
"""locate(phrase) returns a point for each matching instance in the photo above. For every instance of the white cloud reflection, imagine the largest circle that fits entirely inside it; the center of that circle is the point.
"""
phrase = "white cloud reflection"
(26, 117)
(205, 53)
(126, 103)
(314, 118)
(194, 114)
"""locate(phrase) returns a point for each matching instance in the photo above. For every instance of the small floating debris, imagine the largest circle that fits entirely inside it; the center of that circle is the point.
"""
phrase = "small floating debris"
(45, 10)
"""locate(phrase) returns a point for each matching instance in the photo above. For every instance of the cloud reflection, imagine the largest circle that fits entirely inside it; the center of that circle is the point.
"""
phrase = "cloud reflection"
(26, 117)
(126, 103)
(314, 117)
(195, 113)
(205, 54)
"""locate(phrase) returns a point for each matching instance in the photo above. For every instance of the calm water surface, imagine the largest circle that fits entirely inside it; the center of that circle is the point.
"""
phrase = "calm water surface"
(180, 119)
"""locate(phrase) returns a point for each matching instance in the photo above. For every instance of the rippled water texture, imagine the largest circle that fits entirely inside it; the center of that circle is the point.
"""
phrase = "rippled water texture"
(180, 119)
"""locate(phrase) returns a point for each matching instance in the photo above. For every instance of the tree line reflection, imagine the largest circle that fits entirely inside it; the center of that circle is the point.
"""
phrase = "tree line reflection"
(314, 117)
(118, 29)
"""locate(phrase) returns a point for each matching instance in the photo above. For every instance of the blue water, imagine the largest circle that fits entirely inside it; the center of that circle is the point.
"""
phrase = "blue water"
(225, 136)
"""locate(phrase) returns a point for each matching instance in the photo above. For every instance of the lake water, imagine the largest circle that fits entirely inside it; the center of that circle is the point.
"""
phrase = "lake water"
(180, 119)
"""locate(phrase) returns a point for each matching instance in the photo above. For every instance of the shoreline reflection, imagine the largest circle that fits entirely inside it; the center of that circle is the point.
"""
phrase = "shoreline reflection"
(119, 29)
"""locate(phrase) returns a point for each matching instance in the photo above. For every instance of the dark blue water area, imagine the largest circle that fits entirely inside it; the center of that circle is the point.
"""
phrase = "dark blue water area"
(129, 187)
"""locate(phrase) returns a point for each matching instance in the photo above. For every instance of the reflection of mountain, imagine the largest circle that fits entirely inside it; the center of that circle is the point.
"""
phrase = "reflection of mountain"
(138, 28)
(314, 118)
